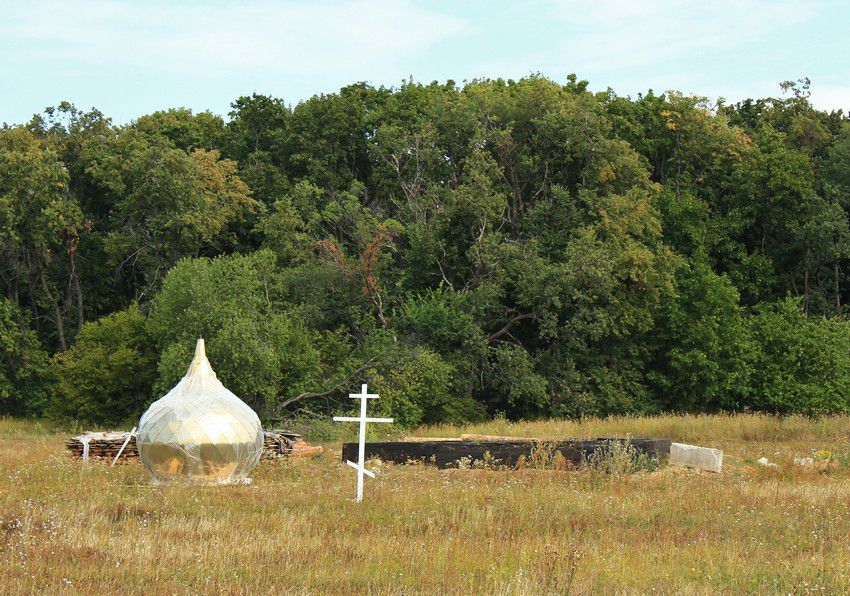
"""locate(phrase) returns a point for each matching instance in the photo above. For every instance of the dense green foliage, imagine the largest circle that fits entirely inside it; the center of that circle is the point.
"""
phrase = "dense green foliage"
(23, 383)
(522, 247)
(108, 372)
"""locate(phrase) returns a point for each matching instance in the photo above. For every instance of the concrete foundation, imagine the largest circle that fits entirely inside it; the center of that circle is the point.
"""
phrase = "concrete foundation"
(699, 458)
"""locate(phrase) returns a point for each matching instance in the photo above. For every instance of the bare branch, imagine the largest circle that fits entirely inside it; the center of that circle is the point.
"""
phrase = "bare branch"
(509, 324)
(336, 387)
(443, 273)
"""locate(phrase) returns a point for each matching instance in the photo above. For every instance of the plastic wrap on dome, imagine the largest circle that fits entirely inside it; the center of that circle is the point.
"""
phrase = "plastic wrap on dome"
(200, 431)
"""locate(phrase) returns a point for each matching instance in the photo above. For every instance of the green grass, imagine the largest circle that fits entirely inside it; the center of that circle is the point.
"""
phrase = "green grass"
(66, 527)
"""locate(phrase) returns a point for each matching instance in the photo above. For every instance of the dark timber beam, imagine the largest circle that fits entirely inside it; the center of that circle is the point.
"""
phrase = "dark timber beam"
(448, 454)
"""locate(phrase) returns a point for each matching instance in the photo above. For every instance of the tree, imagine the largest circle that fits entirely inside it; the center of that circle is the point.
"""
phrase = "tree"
(259, 139)
(174, 205)
(256, 343)
(777, 234)
(40, 227)
(23, 364)
(703, 345)
(518, 246)
(183, 129)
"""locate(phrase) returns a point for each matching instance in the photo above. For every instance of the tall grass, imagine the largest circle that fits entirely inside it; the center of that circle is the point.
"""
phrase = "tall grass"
(66, 527)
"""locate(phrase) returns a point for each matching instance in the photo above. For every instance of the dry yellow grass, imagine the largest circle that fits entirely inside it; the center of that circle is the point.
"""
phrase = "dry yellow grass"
(70, 528)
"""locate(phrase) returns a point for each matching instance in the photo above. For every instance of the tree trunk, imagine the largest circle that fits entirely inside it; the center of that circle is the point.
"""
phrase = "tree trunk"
(12, 291)
(57, 313)
(78, 291)
(837, 289)
(806, 282)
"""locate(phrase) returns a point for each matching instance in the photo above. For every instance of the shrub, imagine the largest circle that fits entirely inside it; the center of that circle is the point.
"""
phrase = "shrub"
(440, 318)
(415, 383)
(802, 363)
(704, 346)
(106, 376)
(618, 458)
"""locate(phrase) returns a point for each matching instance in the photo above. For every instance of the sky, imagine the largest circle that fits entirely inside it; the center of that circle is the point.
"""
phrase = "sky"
(131, 57)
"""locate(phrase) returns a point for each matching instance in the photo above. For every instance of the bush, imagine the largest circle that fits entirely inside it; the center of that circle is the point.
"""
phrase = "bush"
(802, 363)
(416, 385)
(704, 346)
(107, 375)
(440, 318)
(515, 382)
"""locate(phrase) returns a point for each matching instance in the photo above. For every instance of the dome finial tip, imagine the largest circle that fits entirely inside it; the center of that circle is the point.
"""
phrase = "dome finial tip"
(199, 363)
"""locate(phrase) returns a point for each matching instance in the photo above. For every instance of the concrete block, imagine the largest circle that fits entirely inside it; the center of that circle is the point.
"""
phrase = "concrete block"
(699, 458)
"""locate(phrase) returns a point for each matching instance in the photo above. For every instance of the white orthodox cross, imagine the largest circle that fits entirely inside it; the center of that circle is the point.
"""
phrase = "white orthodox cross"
(360, 465)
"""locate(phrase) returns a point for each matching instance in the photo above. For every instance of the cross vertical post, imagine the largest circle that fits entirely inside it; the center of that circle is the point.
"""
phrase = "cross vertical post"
(360, 466)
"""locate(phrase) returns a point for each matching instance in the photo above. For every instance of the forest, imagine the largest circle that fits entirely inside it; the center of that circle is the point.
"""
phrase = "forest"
(511, 248)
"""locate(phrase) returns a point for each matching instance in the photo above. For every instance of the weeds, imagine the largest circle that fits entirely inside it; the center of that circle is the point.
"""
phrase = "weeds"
(557, 568)
(618, 458)
(842, 455)
(545, 456)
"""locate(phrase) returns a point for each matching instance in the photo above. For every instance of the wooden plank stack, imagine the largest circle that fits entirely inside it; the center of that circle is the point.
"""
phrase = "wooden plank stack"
(102, 445)
(283, 443)
(276, 443)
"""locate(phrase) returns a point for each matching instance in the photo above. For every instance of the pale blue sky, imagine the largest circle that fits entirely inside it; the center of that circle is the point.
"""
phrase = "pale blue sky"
(129, 57)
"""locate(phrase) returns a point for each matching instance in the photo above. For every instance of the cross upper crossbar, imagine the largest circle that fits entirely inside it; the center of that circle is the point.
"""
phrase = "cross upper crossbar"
(352, 419)
(363, 394)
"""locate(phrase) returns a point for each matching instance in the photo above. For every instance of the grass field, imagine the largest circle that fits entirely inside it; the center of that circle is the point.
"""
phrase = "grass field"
(66, 527)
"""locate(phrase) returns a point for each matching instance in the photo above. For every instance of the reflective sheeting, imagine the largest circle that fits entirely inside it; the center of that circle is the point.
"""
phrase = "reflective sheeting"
(200, 431)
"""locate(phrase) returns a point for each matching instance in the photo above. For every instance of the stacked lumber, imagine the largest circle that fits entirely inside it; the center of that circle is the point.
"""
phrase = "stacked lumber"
(282, 443)
(496, 438)
(102, 445)
(276, 443)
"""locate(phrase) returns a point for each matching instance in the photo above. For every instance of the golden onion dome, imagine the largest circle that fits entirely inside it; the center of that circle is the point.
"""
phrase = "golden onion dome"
(199, 430)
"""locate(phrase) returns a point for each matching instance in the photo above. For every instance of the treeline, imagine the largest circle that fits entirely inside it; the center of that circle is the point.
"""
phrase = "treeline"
(519, 247)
